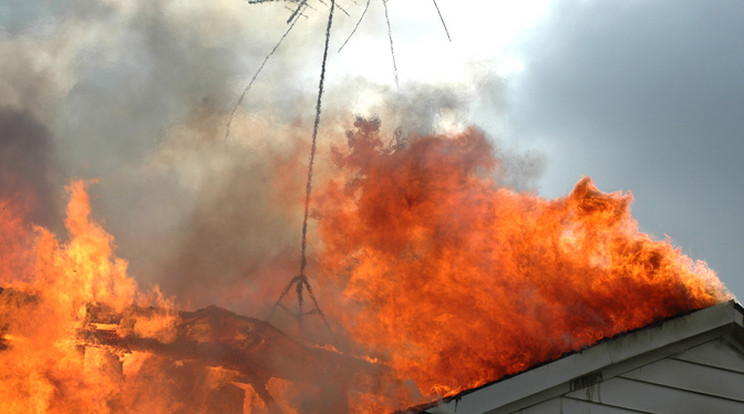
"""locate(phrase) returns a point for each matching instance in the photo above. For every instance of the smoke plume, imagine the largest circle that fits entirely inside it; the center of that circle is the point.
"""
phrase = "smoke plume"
(138, 96)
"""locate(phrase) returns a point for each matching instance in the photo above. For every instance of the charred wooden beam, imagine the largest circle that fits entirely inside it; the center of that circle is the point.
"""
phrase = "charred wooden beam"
(218, 337)
(254, 350)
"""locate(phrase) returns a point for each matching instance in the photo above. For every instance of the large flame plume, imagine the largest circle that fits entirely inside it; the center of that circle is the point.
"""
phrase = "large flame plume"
(47, 285)
(434, 274)
(456, 281)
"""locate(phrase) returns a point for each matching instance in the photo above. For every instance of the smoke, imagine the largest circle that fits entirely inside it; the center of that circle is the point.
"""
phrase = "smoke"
(135, 95)
(27, 170)
(138, 96)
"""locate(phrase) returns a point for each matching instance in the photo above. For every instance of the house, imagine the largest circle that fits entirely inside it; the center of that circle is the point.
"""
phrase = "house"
(693, 363)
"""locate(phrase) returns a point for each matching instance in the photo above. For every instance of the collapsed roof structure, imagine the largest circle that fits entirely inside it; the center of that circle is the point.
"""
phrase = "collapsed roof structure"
(692, 363)
(188, 344)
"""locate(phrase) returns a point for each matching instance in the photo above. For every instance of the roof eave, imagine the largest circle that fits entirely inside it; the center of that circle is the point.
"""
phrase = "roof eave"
(602, 361)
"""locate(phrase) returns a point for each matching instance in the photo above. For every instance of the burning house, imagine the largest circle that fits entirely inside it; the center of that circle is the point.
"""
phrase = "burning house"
(78, 335)
(419, 224)
(689, 364)
(441, 275)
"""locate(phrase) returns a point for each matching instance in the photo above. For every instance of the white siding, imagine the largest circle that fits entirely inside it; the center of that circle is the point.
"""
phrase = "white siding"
(566, 405)
(648, 397)
(571, 406)
(706, 378)
(717, 353)
(547, 407)
(693, 377)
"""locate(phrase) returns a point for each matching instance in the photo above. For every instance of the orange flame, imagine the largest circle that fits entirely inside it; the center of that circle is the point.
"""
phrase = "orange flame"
(456, 281)
(428, 264)
(76, 335)
(49, 288)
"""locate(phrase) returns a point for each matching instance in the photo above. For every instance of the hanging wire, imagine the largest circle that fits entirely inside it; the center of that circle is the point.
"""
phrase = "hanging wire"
(442, 19)
(255, 75)
(366, 7)
(390, 36)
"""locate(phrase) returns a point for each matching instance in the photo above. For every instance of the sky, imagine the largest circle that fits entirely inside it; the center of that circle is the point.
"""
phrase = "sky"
(642, 96)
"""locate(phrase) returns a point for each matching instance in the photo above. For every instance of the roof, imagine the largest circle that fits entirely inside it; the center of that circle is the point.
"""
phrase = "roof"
(691, 362)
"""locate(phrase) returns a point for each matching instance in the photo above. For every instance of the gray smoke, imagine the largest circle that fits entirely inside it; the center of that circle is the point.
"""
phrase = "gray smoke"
(27, 168)
(138, 94)
(134, 95)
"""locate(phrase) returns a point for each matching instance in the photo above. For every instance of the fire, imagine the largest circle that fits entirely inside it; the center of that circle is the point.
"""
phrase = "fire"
(45, 293)
(77, 335)
(434, 277)
(49, 291)
(457, 281)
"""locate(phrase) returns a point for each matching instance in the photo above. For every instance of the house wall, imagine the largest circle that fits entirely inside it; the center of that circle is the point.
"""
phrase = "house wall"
(708, 378)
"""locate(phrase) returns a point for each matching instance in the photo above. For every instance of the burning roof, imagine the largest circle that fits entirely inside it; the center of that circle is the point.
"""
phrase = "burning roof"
(421, 249)
(423, 240)
(417, 242)
(691, 363)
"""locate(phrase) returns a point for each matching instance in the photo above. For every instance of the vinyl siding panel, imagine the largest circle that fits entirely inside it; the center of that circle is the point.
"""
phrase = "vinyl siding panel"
(693, 377)
(672, 385)
(648, 397)
(716, 353)
(571, 406)
(548, 407)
